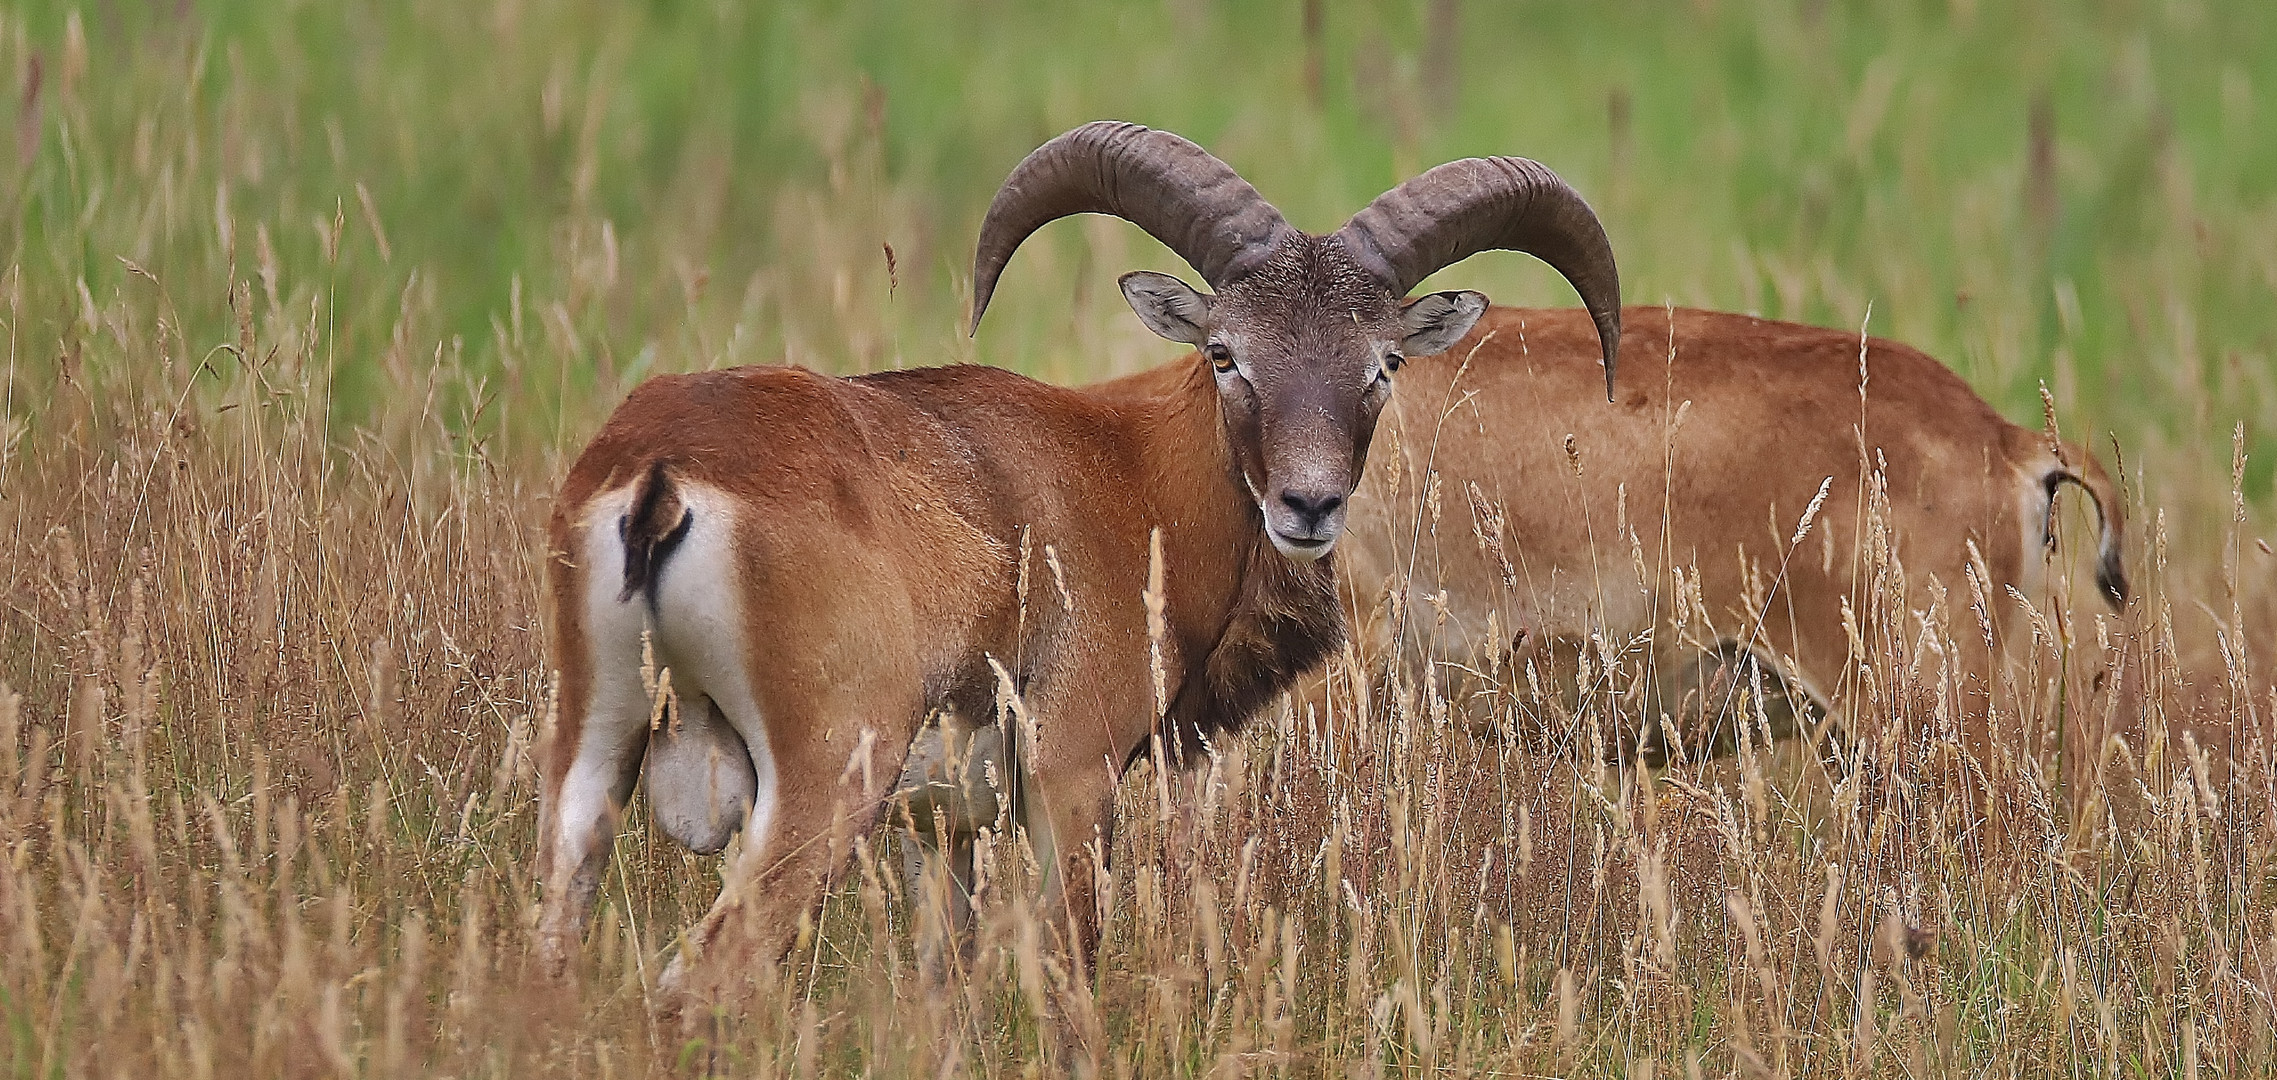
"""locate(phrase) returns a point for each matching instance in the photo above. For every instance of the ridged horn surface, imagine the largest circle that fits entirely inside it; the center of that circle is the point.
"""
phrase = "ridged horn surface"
(1192, 202)
(1464, 207)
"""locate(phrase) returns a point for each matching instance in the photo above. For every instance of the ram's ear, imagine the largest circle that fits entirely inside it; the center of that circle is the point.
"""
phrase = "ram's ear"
(1168, 306)
(1436, 322)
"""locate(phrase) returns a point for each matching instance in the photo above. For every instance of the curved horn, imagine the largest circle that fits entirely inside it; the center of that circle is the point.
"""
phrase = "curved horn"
(1192, 202)
(1464, 207)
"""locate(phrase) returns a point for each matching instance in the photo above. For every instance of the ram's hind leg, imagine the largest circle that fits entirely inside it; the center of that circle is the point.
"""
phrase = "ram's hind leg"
(594, 753)
(937, 876)
(836, 753)
(578, 819)
(950, 790)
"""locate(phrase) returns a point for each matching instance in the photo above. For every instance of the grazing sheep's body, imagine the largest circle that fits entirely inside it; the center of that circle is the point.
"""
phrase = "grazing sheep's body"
(1704, 468)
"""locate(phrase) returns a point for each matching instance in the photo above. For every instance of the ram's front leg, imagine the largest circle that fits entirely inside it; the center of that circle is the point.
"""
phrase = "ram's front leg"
(1072, 835)
(1072, 759)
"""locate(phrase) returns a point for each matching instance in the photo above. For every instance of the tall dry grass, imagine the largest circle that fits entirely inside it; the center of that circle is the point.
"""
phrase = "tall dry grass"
(274, 461)
(266, 796)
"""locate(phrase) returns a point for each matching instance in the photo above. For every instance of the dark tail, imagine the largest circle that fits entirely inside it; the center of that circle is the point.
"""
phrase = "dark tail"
(2110, 515)
(655, 525)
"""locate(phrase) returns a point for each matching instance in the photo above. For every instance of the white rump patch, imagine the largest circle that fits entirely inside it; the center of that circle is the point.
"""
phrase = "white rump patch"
(715, 773)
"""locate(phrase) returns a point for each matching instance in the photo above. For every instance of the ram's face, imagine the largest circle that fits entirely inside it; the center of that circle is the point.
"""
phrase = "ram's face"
(1305, 350)
(1306, 333)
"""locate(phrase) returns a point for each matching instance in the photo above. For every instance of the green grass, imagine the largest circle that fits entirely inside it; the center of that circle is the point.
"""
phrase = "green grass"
(1800, 160)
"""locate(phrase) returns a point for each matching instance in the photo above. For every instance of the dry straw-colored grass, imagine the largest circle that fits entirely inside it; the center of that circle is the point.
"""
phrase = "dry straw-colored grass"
(266, 798)
(274, 675)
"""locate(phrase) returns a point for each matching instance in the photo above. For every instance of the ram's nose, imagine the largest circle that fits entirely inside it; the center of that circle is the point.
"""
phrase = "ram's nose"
(1306, 523)
(1312, 508)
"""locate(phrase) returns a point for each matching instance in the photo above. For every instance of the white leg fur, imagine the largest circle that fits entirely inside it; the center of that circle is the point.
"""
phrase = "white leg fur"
(610, 736)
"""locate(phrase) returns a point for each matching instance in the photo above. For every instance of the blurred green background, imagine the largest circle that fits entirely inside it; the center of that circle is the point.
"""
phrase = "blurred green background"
(513, 210)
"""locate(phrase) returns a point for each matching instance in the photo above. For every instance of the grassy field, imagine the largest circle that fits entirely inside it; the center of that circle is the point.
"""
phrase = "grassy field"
(308, 304)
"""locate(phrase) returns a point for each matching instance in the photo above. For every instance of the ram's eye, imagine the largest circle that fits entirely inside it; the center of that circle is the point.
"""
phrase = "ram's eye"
(1221, 357)
(1393, 360)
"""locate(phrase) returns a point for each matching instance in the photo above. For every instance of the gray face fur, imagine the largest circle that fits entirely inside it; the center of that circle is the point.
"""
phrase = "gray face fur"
(1305, 349)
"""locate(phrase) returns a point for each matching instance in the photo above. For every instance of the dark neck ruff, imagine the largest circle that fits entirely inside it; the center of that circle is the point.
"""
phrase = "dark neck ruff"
(1286, 621)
